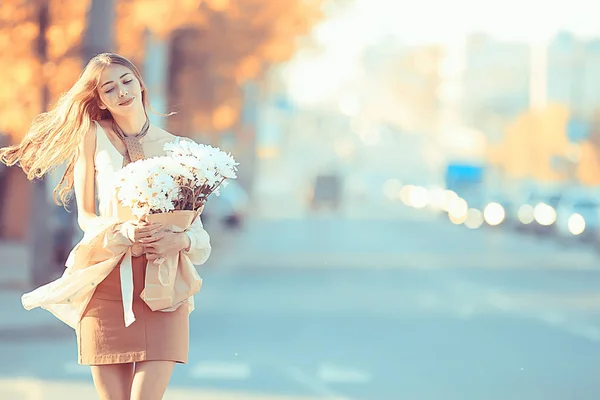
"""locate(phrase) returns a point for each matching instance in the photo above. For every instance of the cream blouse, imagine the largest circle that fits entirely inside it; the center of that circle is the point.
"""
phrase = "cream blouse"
(103, 247)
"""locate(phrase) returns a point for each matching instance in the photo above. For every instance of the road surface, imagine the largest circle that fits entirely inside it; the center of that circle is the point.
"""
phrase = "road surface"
(406, 308)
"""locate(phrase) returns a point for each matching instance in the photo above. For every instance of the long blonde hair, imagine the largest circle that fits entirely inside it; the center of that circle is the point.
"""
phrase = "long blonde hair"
(54, 136)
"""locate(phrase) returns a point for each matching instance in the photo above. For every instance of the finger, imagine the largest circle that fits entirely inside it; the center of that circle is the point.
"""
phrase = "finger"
(139, 235)
(148, 239)
(152, 239)
(149, 228)
(149, 234)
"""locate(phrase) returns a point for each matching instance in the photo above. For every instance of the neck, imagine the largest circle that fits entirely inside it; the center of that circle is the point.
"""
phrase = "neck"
(131, 124)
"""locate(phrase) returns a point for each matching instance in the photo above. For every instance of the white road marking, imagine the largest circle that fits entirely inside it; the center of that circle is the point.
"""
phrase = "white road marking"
(565, 321)
(21, 389)
(313, 384)
(221, 371)
(73, 368)
(339, 374)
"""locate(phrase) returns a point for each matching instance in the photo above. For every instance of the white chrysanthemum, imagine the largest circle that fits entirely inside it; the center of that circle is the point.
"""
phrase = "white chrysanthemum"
(159, 184)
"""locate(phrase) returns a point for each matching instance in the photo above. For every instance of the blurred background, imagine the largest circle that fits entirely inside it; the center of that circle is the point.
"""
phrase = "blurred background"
(416, 215)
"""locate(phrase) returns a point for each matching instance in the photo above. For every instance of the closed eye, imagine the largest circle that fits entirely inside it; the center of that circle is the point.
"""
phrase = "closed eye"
(127, 82)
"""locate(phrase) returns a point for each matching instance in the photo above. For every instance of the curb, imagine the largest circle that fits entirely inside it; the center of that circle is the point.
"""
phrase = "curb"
(408, 261)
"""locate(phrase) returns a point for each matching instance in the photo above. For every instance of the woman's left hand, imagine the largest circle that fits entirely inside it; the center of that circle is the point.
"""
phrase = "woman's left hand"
(170, 243)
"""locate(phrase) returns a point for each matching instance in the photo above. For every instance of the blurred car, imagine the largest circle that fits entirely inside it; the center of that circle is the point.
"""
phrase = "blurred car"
(578, 216)
(327, 192)
(498, 208)
(229, 208)
(538, 213)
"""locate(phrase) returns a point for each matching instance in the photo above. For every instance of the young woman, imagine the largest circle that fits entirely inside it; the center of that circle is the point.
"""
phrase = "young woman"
(97, 127)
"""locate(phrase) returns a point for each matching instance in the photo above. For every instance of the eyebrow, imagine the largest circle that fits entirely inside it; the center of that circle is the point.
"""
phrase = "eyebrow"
(106, 83)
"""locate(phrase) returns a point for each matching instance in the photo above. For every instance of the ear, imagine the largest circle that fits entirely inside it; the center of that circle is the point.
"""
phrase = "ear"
(101, 105)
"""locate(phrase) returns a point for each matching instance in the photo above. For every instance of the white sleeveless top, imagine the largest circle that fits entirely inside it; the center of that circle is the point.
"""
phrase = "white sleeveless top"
(107, 161)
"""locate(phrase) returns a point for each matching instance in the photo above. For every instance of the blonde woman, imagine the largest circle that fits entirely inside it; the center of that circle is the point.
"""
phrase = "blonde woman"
(97, 127)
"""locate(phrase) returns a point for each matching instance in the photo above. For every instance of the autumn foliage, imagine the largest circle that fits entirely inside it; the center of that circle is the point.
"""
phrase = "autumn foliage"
(216, 45)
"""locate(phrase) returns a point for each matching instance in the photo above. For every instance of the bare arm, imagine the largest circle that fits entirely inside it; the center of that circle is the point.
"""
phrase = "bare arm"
(85, 179)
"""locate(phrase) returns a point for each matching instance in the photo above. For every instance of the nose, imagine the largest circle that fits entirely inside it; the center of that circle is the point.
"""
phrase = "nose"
(123, 93)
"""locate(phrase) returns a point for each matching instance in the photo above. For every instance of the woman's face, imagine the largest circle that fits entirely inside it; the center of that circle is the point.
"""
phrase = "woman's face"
(119, 90)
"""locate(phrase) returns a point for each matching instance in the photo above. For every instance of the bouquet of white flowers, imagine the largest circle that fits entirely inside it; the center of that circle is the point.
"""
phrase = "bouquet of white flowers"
(172, 190)
(181, 180)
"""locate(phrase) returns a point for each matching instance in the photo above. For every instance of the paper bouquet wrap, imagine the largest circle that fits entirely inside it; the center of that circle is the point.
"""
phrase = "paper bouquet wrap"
(172, 190)
(165, 289)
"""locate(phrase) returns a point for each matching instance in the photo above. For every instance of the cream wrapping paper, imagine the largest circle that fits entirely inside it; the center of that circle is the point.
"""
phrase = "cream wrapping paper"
(171, 280)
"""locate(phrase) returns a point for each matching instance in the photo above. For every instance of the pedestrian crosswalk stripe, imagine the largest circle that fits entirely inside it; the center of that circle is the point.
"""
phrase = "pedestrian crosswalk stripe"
(220, 371)
(315, 385)
(338, 374)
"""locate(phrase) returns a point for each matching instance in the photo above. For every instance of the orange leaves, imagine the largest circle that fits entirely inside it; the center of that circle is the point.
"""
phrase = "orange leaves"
(223, 117)
(216, 46)
(67, 25)
(20, 94)
(588, 168)
(236, 42)
(18, 102)
(217, 5)
(134, 17)
(533, 141)
(248, 68)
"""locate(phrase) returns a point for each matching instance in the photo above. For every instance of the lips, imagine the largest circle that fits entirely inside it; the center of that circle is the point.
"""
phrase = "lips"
(127, 102)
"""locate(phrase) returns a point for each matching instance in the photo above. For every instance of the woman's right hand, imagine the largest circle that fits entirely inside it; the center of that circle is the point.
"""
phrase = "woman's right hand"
(135, 231)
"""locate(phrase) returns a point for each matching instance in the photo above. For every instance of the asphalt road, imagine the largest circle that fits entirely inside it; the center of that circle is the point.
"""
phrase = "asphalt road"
(409, 308)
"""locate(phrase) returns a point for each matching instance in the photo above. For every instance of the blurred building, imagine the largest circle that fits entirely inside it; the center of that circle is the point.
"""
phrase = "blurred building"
(495, 84)
(401, 85)
(497, 79)
(530, 102)
(574, 73)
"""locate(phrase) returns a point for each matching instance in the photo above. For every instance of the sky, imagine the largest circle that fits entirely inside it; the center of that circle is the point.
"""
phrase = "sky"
(424, 21)
(347, 31)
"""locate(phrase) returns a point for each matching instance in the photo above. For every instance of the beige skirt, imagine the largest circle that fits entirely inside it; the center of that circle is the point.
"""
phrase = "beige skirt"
(102, 337)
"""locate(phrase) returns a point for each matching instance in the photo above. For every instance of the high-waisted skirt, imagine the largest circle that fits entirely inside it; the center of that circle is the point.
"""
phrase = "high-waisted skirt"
(102, 337)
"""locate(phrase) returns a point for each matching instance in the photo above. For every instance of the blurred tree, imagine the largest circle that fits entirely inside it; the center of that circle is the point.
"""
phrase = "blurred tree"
(25, 74)
(588, 167)
(219, 44)
(39, 57)
(19, 64)
(216, 46)
(533, 143)
(40, 237)
(513, 154)
(404, 86)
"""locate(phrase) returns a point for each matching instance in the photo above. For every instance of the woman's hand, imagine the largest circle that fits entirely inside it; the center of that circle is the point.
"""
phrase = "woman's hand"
(169, 243)
(136, 231)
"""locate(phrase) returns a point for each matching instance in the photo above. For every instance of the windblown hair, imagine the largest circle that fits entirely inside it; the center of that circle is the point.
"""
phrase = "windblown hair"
(54, 136)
